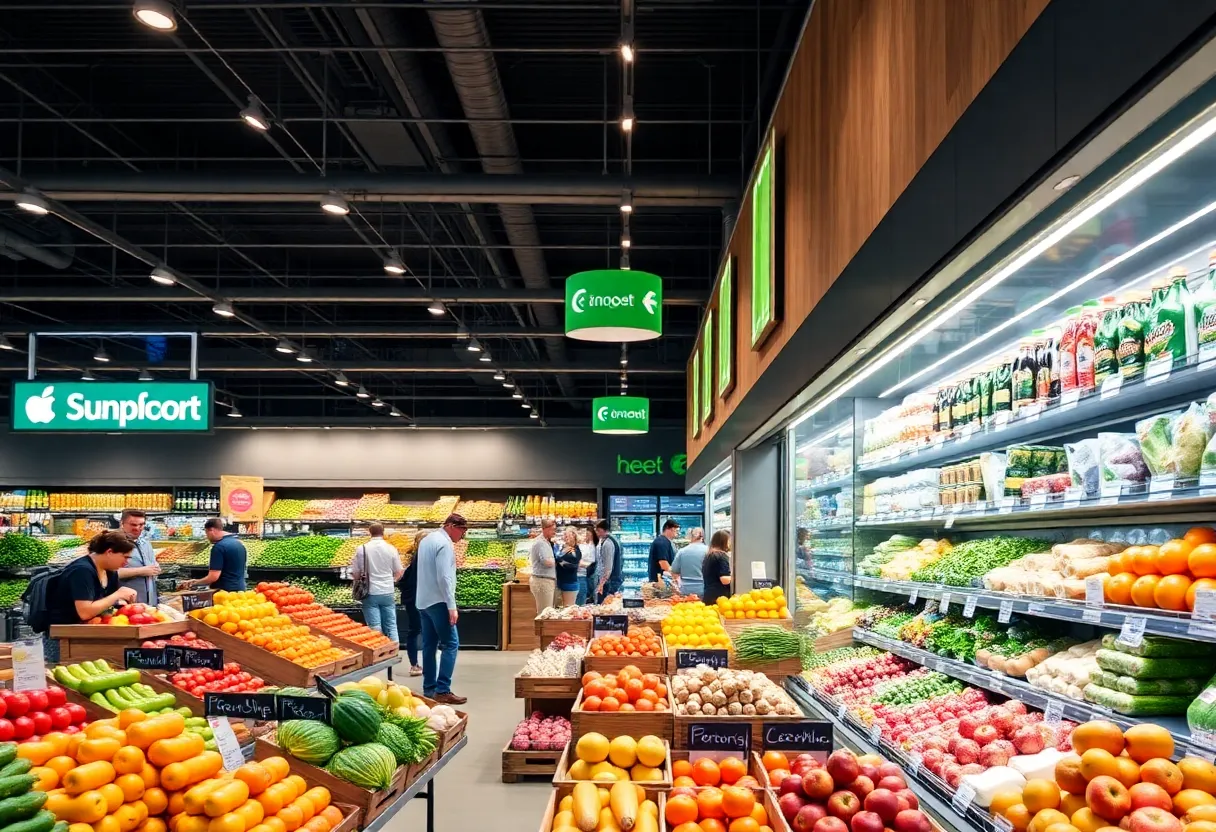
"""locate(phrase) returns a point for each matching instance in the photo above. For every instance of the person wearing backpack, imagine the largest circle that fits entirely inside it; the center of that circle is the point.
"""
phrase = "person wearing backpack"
(376, 568)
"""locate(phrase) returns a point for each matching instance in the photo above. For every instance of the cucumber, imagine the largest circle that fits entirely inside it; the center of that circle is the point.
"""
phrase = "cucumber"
(18, 766)
(60, 826)
(8, 753)
(44, 821)
(114, 699)
(98, 699)
(91, 668)
(79, 672)
(144, 690)
(105, 681)
(16, 784)
(194, 721)
(64, 677)
(13, 809)
(128, 694)
(156, 703)
(104, 665)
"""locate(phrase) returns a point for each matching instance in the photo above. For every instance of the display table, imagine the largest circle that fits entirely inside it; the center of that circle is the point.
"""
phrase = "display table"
(519, 608)
(82, 642)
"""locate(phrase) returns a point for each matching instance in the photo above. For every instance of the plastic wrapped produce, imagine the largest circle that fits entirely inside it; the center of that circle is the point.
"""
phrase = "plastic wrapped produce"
(1192, 432)
(1121, 461)
(1083, 465)
(1155, 435)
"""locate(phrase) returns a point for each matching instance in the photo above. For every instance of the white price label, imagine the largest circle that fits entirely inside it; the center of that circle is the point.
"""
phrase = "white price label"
(1053, 714)
(914, 595)
(1207, 356)
(1007, 504)
(1132, 632)
(1094, 595)
(1005, 613)
(1069, 399)
(344, 573)
(1034, 609)
(1111, 386)
(29, 665)
(963, 797)
(226, 741)
(1208, 696)
(840, 711)
(950, 522)
(1160, 488)
(1205, 605)
(1158, 371)
(944, 603)
(1072, 497)
(969, 607)
(1111, 489)
(1091, 615)
(1038, 500)
(914, 763)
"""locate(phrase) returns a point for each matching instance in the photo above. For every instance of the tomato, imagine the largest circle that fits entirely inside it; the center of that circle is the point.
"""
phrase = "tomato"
(23, 728)
(60, 718)
(77, 711)
(55, 697)
(42, 722)
(18, 705)
(38, 700)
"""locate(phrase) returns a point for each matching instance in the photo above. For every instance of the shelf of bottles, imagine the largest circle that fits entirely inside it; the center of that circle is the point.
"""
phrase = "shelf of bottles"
(635, 533)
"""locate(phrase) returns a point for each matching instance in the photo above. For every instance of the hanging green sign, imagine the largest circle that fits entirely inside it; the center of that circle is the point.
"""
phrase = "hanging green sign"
(694, 392)
(620, 414)
(125, 407)
(726, 329)
(614, 305)
(707, 368)
(764, 245)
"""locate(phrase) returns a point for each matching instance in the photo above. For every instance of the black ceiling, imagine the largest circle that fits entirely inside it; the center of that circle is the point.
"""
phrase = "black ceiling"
(479, 141)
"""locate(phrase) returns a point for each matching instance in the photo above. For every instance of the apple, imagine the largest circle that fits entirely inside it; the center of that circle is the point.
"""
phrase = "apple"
(1146, 795)
(888, 769)
(684, 790)
(891, 782)
(952, 773)
(801, 764)
(1152, 819)
(866, 822)
(843, 766)
(844, 804)
(883, 803)
(985, 734)
(790, 785)
(861, 787)
(967, 751)
(1108, 798)
(909, 797)
(870, 770)
(912, 820)
(827, 824)
(817, 784)
(777, 775)
(789, 804)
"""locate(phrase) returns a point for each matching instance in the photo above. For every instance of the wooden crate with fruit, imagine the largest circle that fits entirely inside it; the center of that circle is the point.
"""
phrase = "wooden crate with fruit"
(562, 810)
(83, 642)
(372, 804)
(535, 762)
(262, 662)
(646, 759)
(617, 723)
(548, 629)
(641, 647)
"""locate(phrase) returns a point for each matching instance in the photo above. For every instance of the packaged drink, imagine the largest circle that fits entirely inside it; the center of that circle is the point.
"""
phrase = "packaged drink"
(1106, 341)
(1045, 361)
(1170, 317)
(1204, 313)
(1024, 372)
(985, 397)
(1087, 328)
(941, 410)
(1068, 349)
(958, 410)
(1002, 388)
(1132, 320)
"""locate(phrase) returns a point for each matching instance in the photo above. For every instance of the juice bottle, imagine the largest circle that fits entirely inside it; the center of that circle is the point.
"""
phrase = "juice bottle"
(1132, 320)
(985, 382)
(1024, 371)
(1002, 387)
(1087, 328)
(1045, 361)
(1106, 341)
(1068, 349)
(1204, 313)
(1170, 317)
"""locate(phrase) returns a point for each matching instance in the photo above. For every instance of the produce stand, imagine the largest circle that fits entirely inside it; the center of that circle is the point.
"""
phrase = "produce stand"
(516, 765)
(416, 789)
(518, 631)
(161, 684)
(614, 664)
(548, 629)
(561, 777)
(266, 664)
(369, 655)
(658, 795)
(83, 642)
(615, 724)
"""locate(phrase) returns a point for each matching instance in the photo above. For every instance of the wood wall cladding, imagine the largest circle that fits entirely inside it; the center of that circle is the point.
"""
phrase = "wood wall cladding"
(875, 87)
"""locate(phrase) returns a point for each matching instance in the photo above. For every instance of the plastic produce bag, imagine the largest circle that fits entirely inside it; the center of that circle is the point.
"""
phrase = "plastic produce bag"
(992, 469)
(1155, 435)
(1119, 454)
(1192, 432)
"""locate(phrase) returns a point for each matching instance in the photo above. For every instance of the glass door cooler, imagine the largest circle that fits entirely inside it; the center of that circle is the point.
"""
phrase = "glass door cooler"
(634, 522)
(689, 511)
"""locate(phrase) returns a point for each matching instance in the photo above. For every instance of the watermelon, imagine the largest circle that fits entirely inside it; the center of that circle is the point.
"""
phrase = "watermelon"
(396, 741)
(308, 740)
(368, 766)
(356, 717)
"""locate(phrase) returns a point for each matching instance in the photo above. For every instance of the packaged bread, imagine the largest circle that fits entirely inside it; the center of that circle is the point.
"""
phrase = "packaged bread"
(1086, 567)
(1086, 548)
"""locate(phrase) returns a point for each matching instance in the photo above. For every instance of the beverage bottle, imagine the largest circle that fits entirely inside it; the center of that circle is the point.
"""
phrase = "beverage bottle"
(1132, 320)
(1087, 328)
(1106, 341)
(1043, 350)
(1170, 318)
(1068, 349)
(1024, 371)
(1204, 312)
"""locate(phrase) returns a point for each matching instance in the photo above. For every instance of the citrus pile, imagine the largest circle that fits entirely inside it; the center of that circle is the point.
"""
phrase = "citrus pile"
(639, 641)
(692, 625)
(250, 617)
(759, 603)
(1164, 577)
(629, 690)
(301, 604)
(697, 804)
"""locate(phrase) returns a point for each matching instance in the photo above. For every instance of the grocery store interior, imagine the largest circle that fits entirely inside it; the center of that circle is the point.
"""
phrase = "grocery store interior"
(608, 415)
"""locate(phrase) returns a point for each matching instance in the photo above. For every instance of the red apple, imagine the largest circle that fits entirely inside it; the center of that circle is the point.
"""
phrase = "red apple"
(790, 785)
(843, 805)
(817, 784)
(1152, 819)
(870, 770)
(888, 769)
(910, 797)
(809, 815)
(801, 764)
(883, 803)
(1108, 798)
(861, 787)
(985, 734)
(892, 782)
(866, 822)
(777, 775)
(828, 824)
(843, 767)
(912, 820)
(683, 790)
(1145, 795)
(789, 804)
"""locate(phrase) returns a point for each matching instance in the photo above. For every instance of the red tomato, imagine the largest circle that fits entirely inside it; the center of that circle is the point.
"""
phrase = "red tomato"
(55, 697)
(42, 722)
(60, 718)
(23, 728)
(78, 713)
(39, 701)
(18, 705)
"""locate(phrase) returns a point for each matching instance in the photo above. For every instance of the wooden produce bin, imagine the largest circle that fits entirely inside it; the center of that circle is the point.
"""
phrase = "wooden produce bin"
(371, 804)
(775, 670)
(561, 776)
(84, 642)
(270, 666)
(548, 629)
(352, 818)
(451, 736)
(614, 724)
(518, 630)
(681, 723)
(755, 767)
(614, 664)
(659, 796)
(516, 765)
(840, 638)
(367, 655)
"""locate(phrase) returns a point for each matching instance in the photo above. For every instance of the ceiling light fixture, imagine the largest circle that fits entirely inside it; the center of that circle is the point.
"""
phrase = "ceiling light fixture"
(1066, 183)
(473, 345)
(285, 347)
(627, 52)
(33, 203)
(341, 380)
(6, 344)
(499, 375)
(436, 307)
(533, 415)
(224, 309)
(920, 302)
(145, 375)
(363, 394)
(304, 357)
(155, 14)
(627, 114)
(625, 241)
(517, 394)
(485, 357)
(626, 202)
(395, 412)
(101, 355)
(163, 276)
(525, 405)
(87, 376)
(335, 204)
(234, 412)
(255, 116)
(394, 264)
(625, 261)
(377, 403)
(507, 383)
(624, 356)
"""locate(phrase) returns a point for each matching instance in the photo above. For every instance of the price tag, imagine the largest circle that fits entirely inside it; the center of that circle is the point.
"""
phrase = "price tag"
(1207, 356)
(840, 711)
(734, 737)
(259, 706)
(1069, 399)
(1111, 387)
(1053, 713)
(950, 522)
(1160, 488)
(1158, 371)
(609, 625)
(692, 658)
(1091, 615)
(1005, 613)
(206, 658)
(1110, 492)
(1208, 696)
(763, 583)
(29, 665)
(344, 573)
(962, 798)
(1038, 500)
(807, 735)
(1094, 594)
(1132, 632)
(225, 740)
(1034, 609)
(944, 603)
(150, 658)
(1072, 497)
(632, 603)
(1205, 605)
(969, 607)
(302, 707)
(914, 764)
(1006, 505)
(197, 600)
(914, 595)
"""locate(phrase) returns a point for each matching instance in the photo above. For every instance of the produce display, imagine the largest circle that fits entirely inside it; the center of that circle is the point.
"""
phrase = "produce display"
(724, 691)
(628, 690)
(479, 511)
(114, 690)
(769, 644)
(479, 587)
(898, 557)
(1057, 573)
(331, 592)
(971, 559)
(30, 714)
(758, 603)
(21, 550)
(306, 551)
(565, 661)
(534, 507)
(692, 624)
(230, 678)
(131, 614)
(1164, 577)
(250, 617)
(300, 604)
(598, 809)
(541, 733)
(730, 806)
(71, 501)
(186, 639)
(400, 700)
(623, 758)
(638, 641)
(11, 590)
(487, 554)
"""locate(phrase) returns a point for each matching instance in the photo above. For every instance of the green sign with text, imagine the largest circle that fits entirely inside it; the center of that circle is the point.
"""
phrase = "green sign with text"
(614, 305)
(620, 414)
(726, 329)
(124, 407)
(678, 464)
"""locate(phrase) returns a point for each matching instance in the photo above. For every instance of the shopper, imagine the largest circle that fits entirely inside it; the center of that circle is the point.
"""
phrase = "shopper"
(543, 581)
(586, 569)
(566, 567)
(686, 568)
(228, 558)
(89, 585)
(141, 569)
(662, 552)
(409, 599)
(380, 561)
(608, 565)
(437, 606)
(715, 571)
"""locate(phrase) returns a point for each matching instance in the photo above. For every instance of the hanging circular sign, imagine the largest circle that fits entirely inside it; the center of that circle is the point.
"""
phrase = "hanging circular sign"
(620, 414)
(614, 305)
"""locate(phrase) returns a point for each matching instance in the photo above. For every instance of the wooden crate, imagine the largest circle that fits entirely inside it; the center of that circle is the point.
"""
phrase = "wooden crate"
(341, 667)
(82, 642)
(635, 723)
(517, 765)
(681, 723)
(754, 766)
(260, 662)
(659, 796)
(548, 629)
(451, 736)
(415, 771)
(372, 804)
(547, 687)
(775, 670)
(561, 775)
(762, 774)
(368, 655)
(518, 630)
(351, 818)
(840, 638)
(614, 664)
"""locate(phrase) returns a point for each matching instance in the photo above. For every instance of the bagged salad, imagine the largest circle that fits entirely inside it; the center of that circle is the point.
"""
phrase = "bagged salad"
(1121, 461)
(1083, 466)
(1155, 435)
(1192, 433)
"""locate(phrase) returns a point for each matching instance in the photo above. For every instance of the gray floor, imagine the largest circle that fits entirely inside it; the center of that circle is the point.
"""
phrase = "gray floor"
(470, 794)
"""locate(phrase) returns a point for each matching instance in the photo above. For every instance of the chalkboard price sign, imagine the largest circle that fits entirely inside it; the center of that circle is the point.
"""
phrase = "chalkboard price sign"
(303, 707)
(326, 689)
(609, 625)
(735, 737)
(196, 601)
(206, 658)
(260, 706)
(808, 735)
(632, 603)
(149, 658)
(692, 658)
(763, 583)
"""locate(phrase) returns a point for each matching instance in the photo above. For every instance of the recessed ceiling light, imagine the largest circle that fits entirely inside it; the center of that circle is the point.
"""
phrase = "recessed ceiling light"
(87, 376)
(145, 375)
(363, 394)
(342, 380)
(498, 375)
(627, 52)
(6, 344)
(473, 345)
(33, 203)
(1066, 183)
(255, 116)
(626, 202)
(234, 412)
(224, 309)
(155, 14)
(920, 301)
(101, 355)
(627, 115)
(394, 265)
(625, 241)
(436, 307)
(334, 204)
(304, 357)
(377, 403)
(284, 346)
(518, 394)
(163, 276)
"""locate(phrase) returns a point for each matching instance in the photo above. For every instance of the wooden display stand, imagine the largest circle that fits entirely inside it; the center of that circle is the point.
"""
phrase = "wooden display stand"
(615, 723)
(368, 655)
(269, 666)
(840, 638)
(516, 765)
(84, 642)
(519, 612)
(777, 671)
(371, 803)
(548, 629)
(659, 796)
(614, 664)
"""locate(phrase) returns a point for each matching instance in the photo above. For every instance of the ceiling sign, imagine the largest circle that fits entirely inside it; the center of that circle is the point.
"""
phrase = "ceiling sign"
(614, 305)
(123, 407)
(620, 414)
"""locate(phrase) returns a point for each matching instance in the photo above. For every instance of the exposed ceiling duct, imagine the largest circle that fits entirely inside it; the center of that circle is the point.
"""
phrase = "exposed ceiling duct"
(26, 242)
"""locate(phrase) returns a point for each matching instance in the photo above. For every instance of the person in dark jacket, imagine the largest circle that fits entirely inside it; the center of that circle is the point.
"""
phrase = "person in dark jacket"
(409, 599)
(566, 560)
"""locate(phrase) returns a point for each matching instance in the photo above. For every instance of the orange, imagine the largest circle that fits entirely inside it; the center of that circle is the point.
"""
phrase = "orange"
(706, 772)
(1046, 818)
(737, 803)
(687, 827)
(1143, 588)
(1203, 583)
(759, 815)
(1019, 816)
(712, 825)
(627, 706)
(1170, 593)
(774, 759)
(1096, 762)
(1188, 799)
(1197, 774)
(732, 768)
(1097, 733)
(1127, 771)
(633, 689)
(1002, 800)
(610, 703)
(1162, 773)
(1070, 803)
(684, 781)
(1146, 741)
(592, 703)
(596, 687)
(681, 768)
(747, 824)
(1200, 534)
(1068, 774)
(1144, 562)
(1085, 820)
(709, 803)
(1172, 556)
(1119, 587)
(643, 705)
(1119, 562)
(680, 809)
(1040, 794)
(1202, 561)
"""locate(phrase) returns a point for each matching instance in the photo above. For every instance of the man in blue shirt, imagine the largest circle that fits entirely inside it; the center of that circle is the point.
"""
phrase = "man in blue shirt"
(141, 569)
(436, 560)
(662, 552)
(226, 569)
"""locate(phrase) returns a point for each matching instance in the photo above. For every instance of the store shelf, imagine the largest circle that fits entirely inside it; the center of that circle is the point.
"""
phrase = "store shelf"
(831, 576)
(832, 482)
(1032, 696)
(1156, 622)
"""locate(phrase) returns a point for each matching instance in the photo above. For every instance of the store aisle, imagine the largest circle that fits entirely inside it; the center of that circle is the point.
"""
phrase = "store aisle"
(470, 792)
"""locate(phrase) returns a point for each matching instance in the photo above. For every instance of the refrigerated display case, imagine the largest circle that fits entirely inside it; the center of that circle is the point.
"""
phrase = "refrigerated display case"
(688, 510)
(634, 522)
(719, 503)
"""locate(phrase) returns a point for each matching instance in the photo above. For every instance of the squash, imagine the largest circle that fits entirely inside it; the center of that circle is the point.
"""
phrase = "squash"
(88, 777)
(368, 766)
(356, 717)
(175, 749)
(586, 806)
(87, 807)
(194, 770)
(623, 799)
(308, 740)
(162, 727)
(226, 798)
(129, 759)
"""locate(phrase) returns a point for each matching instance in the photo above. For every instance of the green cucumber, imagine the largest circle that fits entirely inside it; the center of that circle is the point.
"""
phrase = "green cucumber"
(91, 668)
(8, 753)
(104, 665)
(108, 680)
(64, 677)
(188, 714)
(144, 690)
(156, 703)
(98, 699)
(114, 699)
(129, 694)
(22, 807)
(60, 826)
(79, 672)
(16, 784)
(44, 821)
(195, 721)
(19, 766)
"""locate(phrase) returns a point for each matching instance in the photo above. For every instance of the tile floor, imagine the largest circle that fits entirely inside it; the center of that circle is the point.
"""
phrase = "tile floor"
(470, 794)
